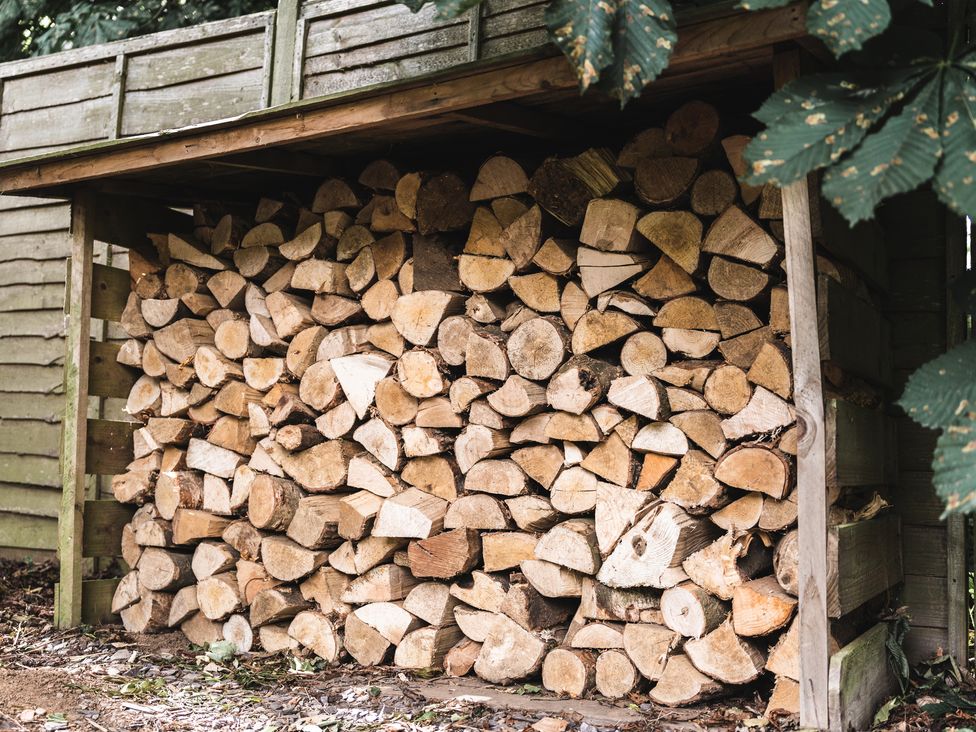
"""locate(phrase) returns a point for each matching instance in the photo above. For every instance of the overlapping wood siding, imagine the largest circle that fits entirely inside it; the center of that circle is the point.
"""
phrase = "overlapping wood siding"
(920, 237)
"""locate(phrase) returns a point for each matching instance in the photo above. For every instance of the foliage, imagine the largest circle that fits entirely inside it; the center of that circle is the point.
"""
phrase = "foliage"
(887, 126)
(942, 395)
(36, 27)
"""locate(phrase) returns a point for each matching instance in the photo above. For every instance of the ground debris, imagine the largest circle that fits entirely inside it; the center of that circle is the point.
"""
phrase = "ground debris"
(105, 679)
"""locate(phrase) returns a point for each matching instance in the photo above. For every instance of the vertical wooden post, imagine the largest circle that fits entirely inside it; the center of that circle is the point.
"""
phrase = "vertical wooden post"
(283, 59)
(811, 461)
(74, 432)
(118, 96)
(956, 590)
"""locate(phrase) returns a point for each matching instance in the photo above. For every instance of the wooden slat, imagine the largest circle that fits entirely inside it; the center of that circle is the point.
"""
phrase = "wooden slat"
(44, 246)
(68, 123)
(52, 216)
(33, 379)
(18, 298)
(29, 500)
(864, 560)
(106, 376)
(67, 609)
(27, 271)
(921, 643)
(30, 469)
(399, 69)
(914, 493)
(104, 519)
(192, 103)
(30, 437)
(109, 293)
(860, 679)
(28, 532)
(850, 331)
(61, 86)
(861, 246)
(42, 407)
(927, 600)
(95, 598)
(109, 446)
(925, 550)
(855, 444)
(156, 69)
(43, 323)
(700, 43)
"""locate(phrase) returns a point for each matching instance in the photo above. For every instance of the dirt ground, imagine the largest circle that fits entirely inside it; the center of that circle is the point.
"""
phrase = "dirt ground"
(105, 679)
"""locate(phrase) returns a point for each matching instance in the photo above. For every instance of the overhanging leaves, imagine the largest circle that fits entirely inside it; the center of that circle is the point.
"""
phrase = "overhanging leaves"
(582, 29)
(813, 121)
(643, 39)
(943, 389)
(955, 465)
(844, 25)
(901, 157)
(956, 179)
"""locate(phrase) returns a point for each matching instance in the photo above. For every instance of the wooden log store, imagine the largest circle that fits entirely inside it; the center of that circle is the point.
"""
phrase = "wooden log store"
(402, 340)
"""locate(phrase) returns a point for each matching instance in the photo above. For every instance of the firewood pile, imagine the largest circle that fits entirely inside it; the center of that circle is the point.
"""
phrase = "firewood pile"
(538, 425)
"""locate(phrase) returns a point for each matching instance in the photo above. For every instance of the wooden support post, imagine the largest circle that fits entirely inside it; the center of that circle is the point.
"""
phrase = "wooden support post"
(74, 432)
(956, 590)
(283, 58)
(811, 460)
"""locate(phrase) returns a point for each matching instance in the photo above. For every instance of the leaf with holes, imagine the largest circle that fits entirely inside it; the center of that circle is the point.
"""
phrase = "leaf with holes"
(844, 25)
(813, 121)
(583, 31)
(956, 178)
(955, 465)
(899, 157)
(643, 39)
(944, 388)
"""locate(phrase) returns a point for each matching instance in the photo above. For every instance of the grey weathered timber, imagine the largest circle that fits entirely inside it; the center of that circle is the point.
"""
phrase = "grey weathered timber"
(283, 55)
(75, 424)
(811, 461)
(860, 679)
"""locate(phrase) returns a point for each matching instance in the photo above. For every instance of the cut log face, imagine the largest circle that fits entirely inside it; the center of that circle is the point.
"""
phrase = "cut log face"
(725, 656)
(569, 671)
(755, 468)
(649, 646)
(760, 607)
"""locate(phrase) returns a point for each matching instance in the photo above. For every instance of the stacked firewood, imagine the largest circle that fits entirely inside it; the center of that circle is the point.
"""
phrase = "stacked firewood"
(539, 425)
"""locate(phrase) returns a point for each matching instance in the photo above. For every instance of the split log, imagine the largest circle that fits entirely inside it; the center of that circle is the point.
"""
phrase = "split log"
(725, 656)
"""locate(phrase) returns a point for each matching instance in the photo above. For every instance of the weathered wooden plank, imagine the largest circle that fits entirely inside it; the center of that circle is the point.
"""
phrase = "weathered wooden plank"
(864, 560)
(921, 643)
(916, 285)
(28, 271)
(30, 437)
(30, 379)
(106, 376)
(514, 43)
(447, 36)
(927, 550)
(285, 54)
(850, 330)
(328, 8)
(516, 20)
(69, 123)
(110, 291)
(48, 217)
(367, 27)
(927, 600)
(18, 298)
(49, 246)
(109, 447)
(104, 520)
(114, 408)
(96, 600)
(38, 407)
(74, 435)
(700, 43)
(61, 87)
(12, 203)
(916, 445)
(156, 69)
(199, 101)
(30, 500)
(31, 351)
(139, 44)
(861, 246)
(399, 69)
(28, 532)
(811, 460)
(29, 469)
(855, 444)
(860, 679)
(914, 494)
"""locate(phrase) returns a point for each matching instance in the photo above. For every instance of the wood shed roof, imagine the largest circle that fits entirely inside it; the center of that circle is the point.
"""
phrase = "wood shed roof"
(524, 98)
